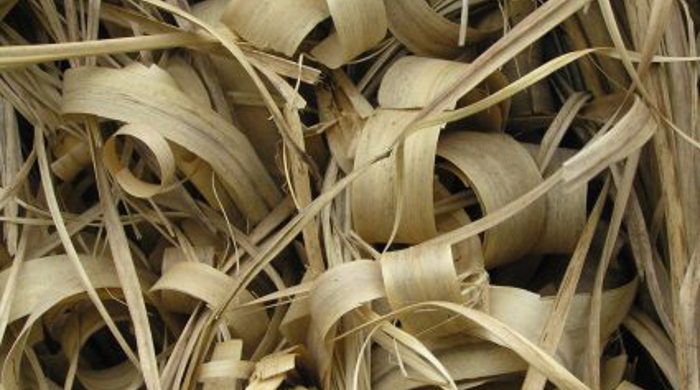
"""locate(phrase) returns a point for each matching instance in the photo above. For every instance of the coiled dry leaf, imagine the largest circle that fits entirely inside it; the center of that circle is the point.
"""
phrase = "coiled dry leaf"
(366, 194)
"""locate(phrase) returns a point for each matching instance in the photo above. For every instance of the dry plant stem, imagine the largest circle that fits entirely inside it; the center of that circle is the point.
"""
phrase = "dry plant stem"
(551, 333)
(20, 56)
(675, 227)
(500, 332)
(521, 36)
(123, 260)
(678, 250)
(16, 56)
(302, 188)
(641, 248)
(555, 133)
(594, 337)
(688, 303)
(13, 160)
(291, 230)
(168, 371)
(675, 220)
(656, 342)
(206, 125)
(65, 238)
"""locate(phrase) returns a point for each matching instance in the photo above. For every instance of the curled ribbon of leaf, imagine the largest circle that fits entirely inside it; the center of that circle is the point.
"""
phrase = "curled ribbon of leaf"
(358, 26)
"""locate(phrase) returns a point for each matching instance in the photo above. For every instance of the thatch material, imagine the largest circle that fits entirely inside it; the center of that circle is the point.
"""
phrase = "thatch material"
(365, 194)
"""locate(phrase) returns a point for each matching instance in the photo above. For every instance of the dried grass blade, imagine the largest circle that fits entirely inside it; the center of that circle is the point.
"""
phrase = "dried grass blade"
(551, 333)
(124, 264)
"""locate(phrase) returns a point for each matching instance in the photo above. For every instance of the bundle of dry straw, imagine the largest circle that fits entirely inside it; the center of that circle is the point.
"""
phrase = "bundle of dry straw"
(336, 194)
